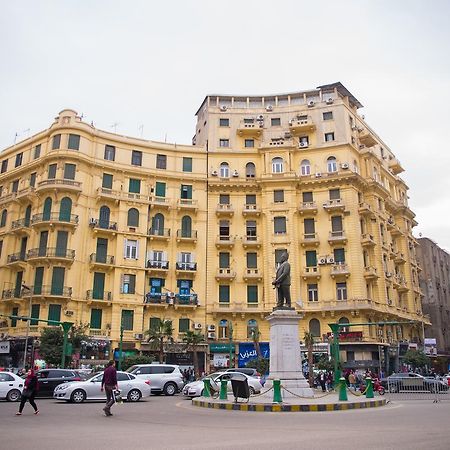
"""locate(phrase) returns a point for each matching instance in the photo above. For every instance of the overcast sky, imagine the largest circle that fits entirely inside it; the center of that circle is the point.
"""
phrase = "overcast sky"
(146, 67)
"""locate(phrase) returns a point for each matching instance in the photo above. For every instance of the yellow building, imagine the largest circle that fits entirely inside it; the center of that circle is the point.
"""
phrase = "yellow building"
(105, 228)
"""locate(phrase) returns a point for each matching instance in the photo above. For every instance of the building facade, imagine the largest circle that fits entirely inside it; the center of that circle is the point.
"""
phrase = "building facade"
(109, 229)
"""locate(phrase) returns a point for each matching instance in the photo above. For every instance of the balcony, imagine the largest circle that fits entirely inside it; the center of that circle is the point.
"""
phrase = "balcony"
(162, 234)
(157, 267)
(301, 124)
(156, 298)
(366, 138)
(396, 231)
(311, 272)
(402, 285)
(171, 299)
(160, 202)
(186, 236)
(49, 254)
(251, 209)
(395, 166)
(251, 242)
(186, 269)
(100, 296)
(7, 198)
(225, 241)
(310, 240)
(334, 205)
(188, 300)
(52, 219)
(26, 195)
(370, 273)
(252, 275)
(224, 209)
(187, 204)
(340, 270)
(225, 274)
(103, 226)
(110, 194)
(365, 210)
(21, 226)
(399, 258)
(52, 184)
(11, 294)
(337, 237)
(307, 208)
(63, 292)
(250, 128)
(100, 261)
(17, 260)
(367, 240)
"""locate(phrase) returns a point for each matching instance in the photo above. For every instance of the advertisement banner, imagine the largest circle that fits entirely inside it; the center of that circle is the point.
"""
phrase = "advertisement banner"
(221, 360)
(4, 346)
(247, 352)
(430, 347)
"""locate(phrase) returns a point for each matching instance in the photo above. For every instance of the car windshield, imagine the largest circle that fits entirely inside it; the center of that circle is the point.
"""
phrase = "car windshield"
(98, 374)
(131, 369)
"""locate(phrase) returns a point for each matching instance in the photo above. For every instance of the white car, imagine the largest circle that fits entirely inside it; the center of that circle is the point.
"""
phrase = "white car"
(195, 389)
(132, 389)
(11, 386)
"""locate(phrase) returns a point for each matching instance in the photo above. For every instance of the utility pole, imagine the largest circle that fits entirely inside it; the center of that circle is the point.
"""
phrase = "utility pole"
(230, 332)
(25, 350)
(120, 345)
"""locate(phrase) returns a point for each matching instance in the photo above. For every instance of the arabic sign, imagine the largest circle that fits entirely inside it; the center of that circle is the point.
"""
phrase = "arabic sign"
(4, 347)
(247, 352)
(430, 347)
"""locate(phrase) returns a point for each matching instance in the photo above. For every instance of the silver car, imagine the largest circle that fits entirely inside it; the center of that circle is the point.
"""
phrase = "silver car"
(132, 389)
(11, 386)
(164, 378)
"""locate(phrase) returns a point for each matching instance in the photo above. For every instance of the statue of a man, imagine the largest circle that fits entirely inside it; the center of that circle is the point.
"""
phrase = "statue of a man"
(282, 282)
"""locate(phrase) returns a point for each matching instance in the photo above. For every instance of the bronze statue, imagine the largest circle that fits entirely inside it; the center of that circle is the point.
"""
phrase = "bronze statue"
(282, 282)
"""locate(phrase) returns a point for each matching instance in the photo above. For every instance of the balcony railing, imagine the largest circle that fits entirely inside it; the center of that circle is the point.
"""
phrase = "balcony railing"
(337, 237)
(370, 272)
(72, 184)
(225, 274)
(334, 205)
(307, 207)
(159, 232)
(252, 274)
(312, 271)
(110, 193)
(53, 291)
(8, 294)
(51, 252)
(186, 266)
(301, 124)
(251, 241)
(367, 239)
(16, 257)
(249, 127)
(103, 224)
(340, 269)
(310, 239)
(156, 264)
(71, 219)
(21, 223)
(105, 296)
(224, 208)
(251, 209)
(183, 234)
(175, 299)
(187, 203)
(101, 259)
(225, 241)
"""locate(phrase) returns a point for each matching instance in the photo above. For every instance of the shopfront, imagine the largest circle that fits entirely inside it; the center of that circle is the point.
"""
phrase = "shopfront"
(247, 352)
(219, 356)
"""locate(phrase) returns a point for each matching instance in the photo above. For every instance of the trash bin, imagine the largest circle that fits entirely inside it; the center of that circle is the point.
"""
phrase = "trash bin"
(240, 388)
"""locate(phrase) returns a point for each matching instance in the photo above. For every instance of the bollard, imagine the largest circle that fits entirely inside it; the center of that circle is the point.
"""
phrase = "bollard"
(207, 388)
(342, 390)
(369, 387)
(223, 390)
(277, 391)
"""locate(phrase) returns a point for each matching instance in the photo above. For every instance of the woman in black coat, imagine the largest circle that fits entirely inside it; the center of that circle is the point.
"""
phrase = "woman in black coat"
(29, 392)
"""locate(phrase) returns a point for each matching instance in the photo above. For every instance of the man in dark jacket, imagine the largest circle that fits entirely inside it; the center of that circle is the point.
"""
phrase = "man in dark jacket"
(109, 383)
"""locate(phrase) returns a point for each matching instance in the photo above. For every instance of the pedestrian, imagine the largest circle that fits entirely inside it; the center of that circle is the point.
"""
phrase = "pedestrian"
(352, 380)
(322, 381)
(29, 392)
(109, 383)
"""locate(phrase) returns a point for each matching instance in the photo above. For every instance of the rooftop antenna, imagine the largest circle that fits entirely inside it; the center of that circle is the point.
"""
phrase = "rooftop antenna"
(114, 125)
(141, 129)
(165, 138)
(20, 134)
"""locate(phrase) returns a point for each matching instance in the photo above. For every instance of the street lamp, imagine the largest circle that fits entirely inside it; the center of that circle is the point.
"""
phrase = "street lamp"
(230, 332)
(25, 287)
(119, 366)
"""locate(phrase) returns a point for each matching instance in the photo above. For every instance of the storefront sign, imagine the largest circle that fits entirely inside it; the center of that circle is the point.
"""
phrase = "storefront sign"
(221, 348)
(247, 352)
(349, 336)
(4, 347)
(221, 360)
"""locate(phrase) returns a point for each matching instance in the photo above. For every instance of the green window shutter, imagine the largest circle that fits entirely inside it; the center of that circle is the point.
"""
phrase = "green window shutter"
(61, 243)
(107, 181)
(65, 209)
(69, 171)
(154, 323)
(102, 250)
(252, 260)
(74, 142)
(132, 284)
(38, 278)
(43, 239)
(309, 226)
(134, 186)
(52, 171)
(224, 260)
(160, 189)
(183, 325)
(311, 258)
(187, 164)
(14, 312)
(56, 141)
(57, 287)
(54, 312)
(224, 294)
(252, 294)
(96, 319)
(127, 319)
(98, 289)
(18, 286)
(186, 191)
(339, 255)
(35, 309)
(47, 209)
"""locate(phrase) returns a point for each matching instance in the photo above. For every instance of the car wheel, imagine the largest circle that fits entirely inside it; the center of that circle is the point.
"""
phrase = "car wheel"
(13, 395)
(134, 395)
(251, 390)
(78, 396)
(170, 389)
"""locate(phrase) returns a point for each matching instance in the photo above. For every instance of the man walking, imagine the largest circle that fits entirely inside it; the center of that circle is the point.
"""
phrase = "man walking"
(109, 383)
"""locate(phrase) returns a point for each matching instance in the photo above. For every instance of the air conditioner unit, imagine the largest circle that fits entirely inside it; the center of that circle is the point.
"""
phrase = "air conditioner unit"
(69, 312)
(269, 108)
(330, 260)
(291, 122)
(138, 336)
(318, 175)
(329, 101)
(211, 328)
(211, 335)
(311, 103)
(322, 260)
(260, 117)
(287, 134)
(344, 166)
(235, 173)
(303, 144)
(197, 326)
(92, 222)
(223, 107)
(214, 173)
(388, 274)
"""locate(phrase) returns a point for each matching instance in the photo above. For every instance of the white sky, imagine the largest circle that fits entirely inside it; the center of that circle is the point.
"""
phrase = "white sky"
(151, 63)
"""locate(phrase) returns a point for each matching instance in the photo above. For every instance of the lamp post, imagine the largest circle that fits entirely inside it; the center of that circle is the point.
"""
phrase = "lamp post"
(230, 332)
(25, 287)
(119, 366)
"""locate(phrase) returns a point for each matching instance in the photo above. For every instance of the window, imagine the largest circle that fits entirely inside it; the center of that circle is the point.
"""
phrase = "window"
(19, 158)
(343, 320)
(107, 181)
(52, 171)
(158, 224)
(223, 329)
(224, 293)
(307, 197)
(14, 312)
(161, 161)
(336, 223)
(309, 228)
(134, 186)
(186, 227)
(305, 167)
(15, 186)
(33, 179)
(54, 312)
(57, 286)
(184, 325)
(278, 196)
(1, 248)
(133, 217)
(98, 288)
(311, 258)
(314, 327)
(4, 166)
(250, 171)
(249, 143)
(154, 323)
(339, 255)
(3, 218)
(187, 164)
(186, 192)
(65, 209)
(252, 260)
(250, 199)
(74, 142)
(160, 189)
(69, 171)
(335, 194)
(224, 260)
(37, 151)
(56, 142)
(328, 115)
(329, 137)
(275, 122)
(136, 158)
(224, 199)
(224, 229)
(313, 293)
(96, 319)
(303, 141)
(341, 291)
(131, 249)
(224, 142)
(127, 319)
(277, 165)
(35, 309)
(224, 122)
(128, 284)
(224, 170)
(251, 230)
(279, 225)
(331, 164)
(252, 294)
(110, 153)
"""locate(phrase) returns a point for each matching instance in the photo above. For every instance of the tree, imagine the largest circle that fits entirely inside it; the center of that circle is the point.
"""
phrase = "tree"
(416, 358)
(79, 334)
(51, 345)
(326, 363)
(309, 343)
(193, 339)
(262, 365)
(136, 359)
(160, 334)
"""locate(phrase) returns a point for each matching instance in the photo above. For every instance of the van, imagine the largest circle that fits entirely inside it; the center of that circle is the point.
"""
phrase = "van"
(164, 379)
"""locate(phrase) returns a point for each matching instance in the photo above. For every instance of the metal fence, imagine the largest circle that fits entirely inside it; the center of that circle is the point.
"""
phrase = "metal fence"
(410, 388)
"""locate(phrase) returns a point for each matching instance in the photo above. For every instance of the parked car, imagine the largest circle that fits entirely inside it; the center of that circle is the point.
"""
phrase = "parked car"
(132, 389)
(413, 382)
(11, 386)
(246, 370)
(195, 389)
(50, 378)
(164, 378)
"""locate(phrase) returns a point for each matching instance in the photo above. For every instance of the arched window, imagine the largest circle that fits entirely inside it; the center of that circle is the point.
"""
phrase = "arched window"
(277, 165)
(305, 167)
(65, 209)
(133, 217)
(186, 227)
(331, 164)
(46, 212)
(343, 320)
(252, 328)
(3, 218)
(224, 170)
(314, 327)
(28, 216)
(223, 329)
(103, 218)
(250, 171)
(158, 224)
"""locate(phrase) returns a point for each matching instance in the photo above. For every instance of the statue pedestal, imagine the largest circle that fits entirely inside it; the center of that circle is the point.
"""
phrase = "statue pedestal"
(285, 357)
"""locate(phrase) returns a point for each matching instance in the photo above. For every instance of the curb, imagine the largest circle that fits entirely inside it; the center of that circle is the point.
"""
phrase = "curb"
(268, 407)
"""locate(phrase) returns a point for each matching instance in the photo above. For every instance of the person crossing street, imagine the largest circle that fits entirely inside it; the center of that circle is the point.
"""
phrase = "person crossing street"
(109, 384)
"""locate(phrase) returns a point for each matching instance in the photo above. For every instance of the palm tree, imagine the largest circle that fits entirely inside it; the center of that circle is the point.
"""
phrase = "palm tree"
(309, 342)
(193, 339)
(159, 334)
(256, 334)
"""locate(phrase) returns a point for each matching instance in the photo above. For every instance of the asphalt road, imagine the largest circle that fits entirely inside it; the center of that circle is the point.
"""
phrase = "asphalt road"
(173, 423)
